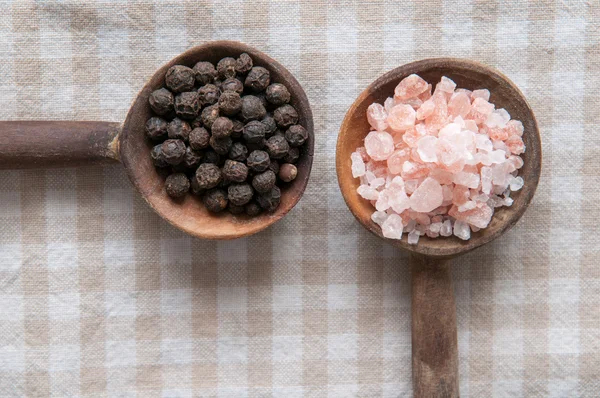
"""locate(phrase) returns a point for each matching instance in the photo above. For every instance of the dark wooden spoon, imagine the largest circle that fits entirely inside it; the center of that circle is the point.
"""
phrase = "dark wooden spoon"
(29, 144)
(434, 345)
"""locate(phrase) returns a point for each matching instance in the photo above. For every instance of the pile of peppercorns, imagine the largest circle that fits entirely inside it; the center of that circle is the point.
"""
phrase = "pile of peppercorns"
(227, 133)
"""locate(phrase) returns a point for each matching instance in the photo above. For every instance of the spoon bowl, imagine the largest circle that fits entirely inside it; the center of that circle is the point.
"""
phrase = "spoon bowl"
(434, 341)
(466, 74)
(39, 144)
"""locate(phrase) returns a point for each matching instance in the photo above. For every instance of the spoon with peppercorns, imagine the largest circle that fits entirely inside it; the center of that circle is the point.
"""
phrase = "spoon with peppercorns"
(219, 141)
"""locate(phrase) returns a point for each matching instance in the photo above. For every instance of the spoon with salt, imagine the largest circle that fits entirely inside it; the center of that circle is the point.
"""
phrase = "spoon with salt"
(434, 340)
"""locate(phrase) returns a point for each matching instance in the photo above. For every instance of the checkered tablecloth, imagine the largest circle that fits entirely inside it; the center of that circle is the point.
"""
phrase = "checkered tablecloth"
(100, 297)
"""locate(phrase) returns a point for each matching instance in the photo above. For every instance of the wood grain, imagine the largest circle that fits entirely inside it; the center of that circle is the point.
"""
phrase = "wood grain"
(35, 144)
(434, 343)
(189, 214)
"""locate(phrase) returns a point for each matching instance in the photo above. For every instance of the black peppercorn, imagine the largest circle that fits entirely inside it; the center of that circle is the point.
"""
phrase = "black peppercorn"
(173, 151)
(277, 147)
(285, 116)
(157, 156)
(199, 138)
(205, 73)
(226, 68)
(270, 125)
(215, 200)
(179, 130)
(233, 209)
(187, 105)
(264, 181)
(238, 152)
(195, 187)
(192, 158)
(240, 194)
(232, 84)
(253, 146)
(222, 128)
(156, 129)
(277, 94)
(235, 171)
(292, 156)
(254, 132)
(258, 161)
(161, 101)
(230, 103)
(211, 156)
(288, 172)
(270, 200)
(296, 135)
(180, 78)
(263, 99)
(238, 128)
(208, 175)
(243, 64)
(252, 209)
(252, 108)
(274, 166)
(258, 79)
(177, 185)
(220, 146)
(209, 115)
(208, 94)
(197, 122)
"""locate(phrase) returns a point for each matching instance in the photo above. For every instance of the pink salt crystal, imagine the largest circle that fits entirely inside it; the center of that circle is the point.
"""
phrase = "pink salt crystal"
(410, 225)
(358, 165)
(413, 237)
(500, 174)
(480, 110)
(377, 115)
(464, 90)
(432, 234)
(379, 145)
(461, 230)
(450, 157)
(392, 227)
(497, 156)
(435, 227)
(446, 229)
(469, 180)
(468, 205)
(471, 125)
(370, 176)
(514, 127)
(363, 153)
(471, 169)
(497, 133)
(500, 145)
(410, 86)
(379, 217)
(439, 210)
(410, 186)
(414, 102)
(383, 201)
(388, 104)
(422, 219)
(447, 193)
(412, 136)
(377, 182)
(480, 216)
(460, 121)
(439, 117)
(508, 202)
(486, 180)
(398, 199)
(516, 161)
(516, 183)
(437, 219)
(425, 95)
(412, 170)
(497, 118)
(515, 144)
(460, 194)
(425, 110)
(445, 85)
(427, 196)
(401, 117)
(474, 228)
(442, 176)
(397, 159)
(414, 156)
(459, 105)
(367, 192)
(483, 94)
(426, 148)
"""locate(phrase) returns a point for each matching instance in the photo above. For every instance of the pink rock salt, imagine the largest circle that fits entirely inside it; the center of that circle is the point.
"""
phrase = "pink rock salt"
(439, 164)
(409, 87)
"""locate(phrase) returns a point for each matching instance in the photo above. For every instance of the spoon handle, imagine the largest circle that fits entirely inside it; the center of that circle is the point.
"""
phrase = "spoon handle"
(434, 344)
(41, 144)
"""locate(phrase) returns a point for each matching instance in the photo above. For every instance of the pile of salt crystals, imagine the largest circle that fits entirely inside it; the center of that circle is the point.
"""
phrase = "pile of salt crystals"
(438, 164)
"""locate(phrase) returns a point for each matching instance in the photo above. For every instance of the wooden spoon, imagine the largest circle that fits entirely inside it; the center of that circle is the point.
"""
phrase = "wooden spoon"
(434, 345)
(28, 144)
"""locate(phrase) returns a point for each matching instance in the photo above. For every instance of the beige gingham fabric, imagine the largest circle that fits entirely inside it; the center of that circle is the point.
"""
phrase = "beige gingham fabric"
(100, 297)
